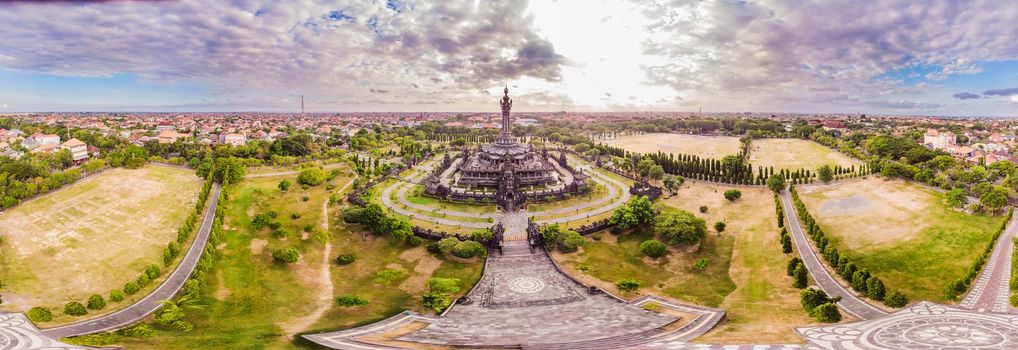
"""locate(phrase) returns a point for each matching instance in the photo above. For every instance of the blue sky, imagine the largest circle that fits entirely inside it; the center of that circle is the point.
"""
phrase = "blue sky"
(892, 57)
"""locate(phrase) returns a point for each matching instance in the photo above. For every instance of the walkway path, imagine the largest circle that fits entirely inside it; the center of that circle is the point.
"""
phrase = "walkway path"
(524, 300)
(849, 301)
(991, 291)
(152, 302)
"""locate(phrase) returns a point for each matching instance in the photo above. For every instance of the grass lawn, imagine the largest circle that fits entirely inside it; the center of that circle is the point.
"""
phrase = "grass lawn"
(91, 237)
(703, 146)
(608, 258)
(254, 303)
(796, 154)
(414, 195)
(903, 233)
(764, 307)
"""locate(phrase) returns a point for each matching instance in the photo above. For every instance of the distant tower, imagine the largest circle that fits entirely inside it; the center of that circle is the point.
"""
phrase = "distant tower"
(302, 104)
(506, 137)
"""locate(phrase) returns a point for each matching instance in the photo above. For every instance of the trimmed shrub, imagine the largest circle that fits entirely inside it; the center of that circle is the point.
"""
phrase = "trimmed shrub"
(39, 314)
(116, 295)
(703, 208)
(286, 255)
(790, 268)
(312, 176)
(445, 245)
(653, 248)
(131, 287)
(143, 280)
(627, 285)
(826, 313)
(96, 302)
(284, 185)
(75, 308)
(346, 259)
(800, 276)
(468, 249)
(350, 300)
(153, 271)
(720, 226)
(895, 299)
(875, 288)
(733, 194)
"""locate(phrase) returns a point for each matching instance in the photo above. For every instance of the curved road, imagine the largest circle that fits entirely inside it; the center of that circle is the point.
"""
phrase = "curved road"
(152, 302)
(991, 291)
(849, 301)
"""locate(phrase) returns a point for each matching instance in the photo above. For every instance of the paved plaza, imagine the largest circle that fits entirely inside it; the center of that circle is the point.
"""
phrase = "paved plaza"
(18, 333)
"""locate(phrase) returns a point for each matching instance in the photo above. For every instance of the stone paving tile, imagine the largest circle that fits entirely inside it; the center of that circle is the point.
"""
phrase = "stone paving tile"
(18, 333)
(990, 292)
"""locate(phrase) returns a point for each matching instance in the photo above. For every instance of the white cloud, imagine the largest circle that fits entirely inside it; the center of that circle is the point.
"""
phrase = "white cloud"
(1014, 99)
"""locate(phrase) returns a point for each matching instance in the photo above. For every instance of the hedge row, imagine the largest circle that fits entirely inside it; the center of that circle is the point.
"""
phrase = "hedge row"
(1014, 275)
(199, 278)
(860, 279)
(961, 285)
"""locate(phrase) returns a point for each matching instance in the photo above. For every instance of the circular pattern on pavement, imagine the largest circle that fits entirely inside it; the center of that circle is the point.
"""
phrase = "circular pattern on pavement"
(945, 332)
(526, 285)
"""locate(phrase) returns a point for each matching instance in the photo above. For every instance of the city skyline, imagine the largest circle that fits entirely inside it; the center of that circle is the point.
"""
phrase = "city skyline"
(768, 56)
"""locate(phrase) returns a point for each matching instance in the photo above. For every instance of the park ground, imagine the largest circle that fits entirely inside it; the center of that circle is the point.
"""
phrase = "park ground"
(796, 154)
(703, 146)
(91, 237)
(256, 303)
(745, 274)
(904, 233)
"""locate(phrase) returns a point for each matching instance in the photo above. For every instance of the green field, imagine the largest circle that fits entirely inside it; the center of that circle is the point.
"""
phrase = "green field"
(256, 303)
(901, 232)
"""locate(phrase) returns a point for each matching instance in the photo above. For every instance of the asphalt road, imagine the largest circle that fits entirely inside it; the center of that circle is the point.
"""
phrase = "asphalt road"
(849, 301)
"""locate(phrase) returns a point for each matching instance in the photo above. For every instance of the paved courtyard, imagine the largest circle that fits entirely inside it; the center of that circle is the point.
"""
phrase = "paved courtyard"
(18, 333)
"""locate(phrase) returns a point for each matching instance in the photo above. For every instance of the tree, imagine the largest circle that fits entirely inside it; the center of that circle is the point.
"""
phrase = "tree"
(284, 185)
(673, 182)
(627, 285)
(827, 313)
(653, 248)
(733, 194)
(956, 197)
(287, 255)
(825, 173)
(116, 295)
(438, 294)
(994, 199)
(680, 227)
(776, 182)
(96, 302)
(656, 172)
(623, 218)
(312, 176)
(800, 276)
(719, 226)
(75, 308)
(229, 170)
(786, 244)
(642, 209)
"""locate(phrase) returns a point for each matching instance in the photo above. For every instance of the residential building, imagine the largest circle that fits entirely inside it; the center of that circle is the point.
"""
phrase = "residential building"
(79, 150)
(168, 136)
(939, 139)
(235, 139)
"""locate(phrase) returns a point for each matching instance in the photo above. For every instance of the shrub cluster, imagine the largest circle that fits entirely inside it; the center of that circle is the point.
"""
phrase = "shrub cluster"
(859, 278)
(438, 295)
(350, 300)
(653, 248)
(820, 306)
(961, 285)
(287, 255)
(346, 259)
(566, 240)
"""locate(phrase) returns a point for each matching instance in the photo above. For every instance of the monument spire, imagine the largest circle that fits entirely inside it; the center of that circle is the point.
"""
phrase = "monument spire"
(506, 136)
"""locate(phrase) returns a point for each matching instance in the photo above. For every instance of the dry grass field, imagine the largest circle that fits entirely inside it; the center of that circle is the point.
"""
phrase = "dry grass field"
(902, 232)
(796, 154)
(92, 236)
(703, 146)
(764, 307)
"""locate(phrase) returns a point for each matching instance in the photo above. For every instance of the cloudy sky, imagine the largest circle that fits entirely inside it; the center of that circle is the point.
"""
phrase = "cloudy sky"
(899, 57)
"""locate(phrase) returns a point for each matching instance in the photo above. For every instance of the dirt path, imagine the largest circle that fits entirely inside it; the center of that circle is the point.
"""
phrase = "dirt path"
(322, 285)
